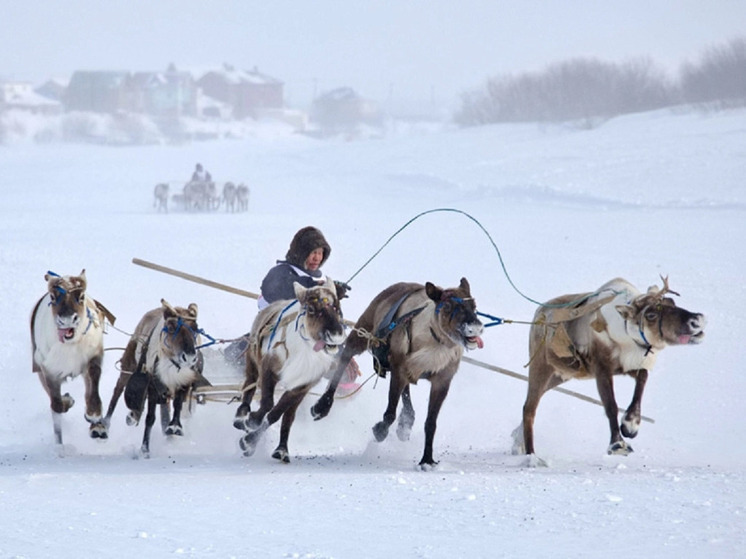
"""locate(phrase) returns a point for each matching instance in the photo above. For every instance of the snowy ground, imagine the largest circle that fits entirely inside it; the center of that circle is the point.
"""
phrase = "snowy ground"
(660, 193)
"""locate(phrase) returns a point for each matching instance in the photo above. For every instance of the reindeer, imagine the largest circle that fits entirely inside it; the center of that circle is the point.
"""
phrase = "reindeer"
(160, 197)
(613, 331)
(67, 328)
(229, 196)
(292, 344)
(161, 362)
(242, 197)
(200, 195)
(421, 332)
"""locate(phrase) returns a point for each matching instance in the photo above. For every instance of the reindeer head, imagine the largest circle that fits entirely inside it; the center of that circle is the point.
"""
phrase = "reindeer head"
(321, 316)
(179, 335)
(456, 313)
(658, 320)
(67, 301)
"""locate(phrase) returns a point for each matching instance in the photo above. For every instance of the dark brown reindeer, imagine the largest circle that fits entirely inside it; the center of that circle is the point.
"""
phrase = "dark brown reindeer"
(292, 345)
(613, 331)
(424, 330)
(67, 329)
(161, 362)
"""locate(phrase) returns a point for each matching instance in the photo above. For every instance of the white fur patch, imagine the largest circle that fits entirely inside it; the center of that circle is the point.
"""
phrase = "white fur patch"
(68, 358)
(629, 348)
(172, 376)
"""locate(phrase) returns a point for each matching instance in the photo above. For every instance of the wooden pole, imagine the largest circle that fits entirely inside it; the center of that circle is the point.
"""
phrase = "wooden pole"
(195, 279)
(250, 295)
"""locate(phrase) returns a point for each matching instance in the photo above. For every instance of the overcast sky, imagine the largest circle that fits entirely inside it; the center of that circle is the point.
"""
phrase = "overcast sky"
(385, 48)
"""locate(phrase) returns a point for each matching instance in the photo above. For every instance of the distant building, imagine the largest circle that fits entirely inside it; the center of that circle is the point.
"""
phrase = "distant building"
(98, 92)
(162, 94)
(343, 110)
(249, 92)
(21, 96)
(53, 89)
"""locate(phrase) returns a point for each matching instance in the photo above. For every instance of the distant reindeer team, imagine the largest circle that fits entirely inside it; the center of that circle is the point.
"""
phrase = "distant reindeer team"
(414, 331)
(203, 196)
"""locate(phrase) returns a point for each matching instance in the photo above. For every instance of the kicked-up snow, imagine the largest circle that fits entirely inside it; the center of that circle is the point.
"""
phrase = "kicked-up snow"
(639, 197)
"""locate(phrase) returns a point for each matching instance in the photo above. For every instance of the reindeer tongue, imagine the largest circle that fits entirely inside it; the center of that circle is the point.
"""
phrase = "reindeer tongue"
(64, 334)
(480, 343)
(318, 346)
(684, 339)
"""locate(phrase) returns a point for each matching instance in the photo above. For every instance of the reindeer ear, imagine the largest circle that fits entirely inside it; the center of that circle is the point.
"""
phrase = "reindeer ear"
(627, 311)
(433, 291)
(192, 308)
(168, 310)
(465, 285)
(300, 292)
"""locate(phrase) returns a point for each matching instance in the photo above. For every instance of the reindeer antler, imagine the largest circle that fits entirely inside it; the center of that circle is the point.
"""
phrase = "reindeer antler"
(659, 293)
(189, 313)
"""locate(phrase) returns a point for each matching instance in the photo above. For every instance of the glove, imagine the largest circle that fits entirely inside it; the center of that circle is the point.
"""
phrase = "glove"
(342, 289)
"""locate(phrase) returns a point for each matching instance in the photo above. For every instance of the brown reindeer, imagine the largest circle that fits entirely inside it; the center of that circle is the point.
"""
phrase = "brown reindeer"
(292, 345)
(67, 328)
(422, 331)
(161, 363)
(613, 331)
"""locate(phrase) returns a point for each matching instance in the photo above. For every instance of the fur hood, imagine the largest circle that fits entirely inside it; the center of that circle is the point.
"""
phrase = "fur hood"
(304, 242)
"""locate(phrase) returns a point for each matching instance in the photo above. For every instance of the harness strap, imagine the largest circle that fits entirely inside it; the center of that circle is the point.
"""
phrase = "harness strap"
(277, 323)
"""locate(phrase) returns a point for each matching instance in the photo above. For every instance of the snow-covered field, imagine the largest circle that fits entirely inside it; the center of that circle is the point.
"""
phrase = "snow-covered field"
(645, 195)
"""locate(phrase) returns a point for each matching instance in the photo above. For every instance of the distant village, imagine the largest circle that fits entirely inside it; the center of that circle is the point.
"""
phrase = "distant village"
(171, 98)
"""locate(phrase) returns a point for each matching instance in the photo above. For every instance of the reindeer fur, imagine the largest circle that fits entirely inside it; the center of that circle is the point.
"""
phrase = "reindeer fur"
(614, 331)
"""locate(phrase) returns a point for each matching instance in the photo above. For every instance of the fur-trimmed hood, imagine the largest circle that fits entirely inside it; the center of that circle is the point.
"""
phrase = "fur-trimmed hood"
(304, 243)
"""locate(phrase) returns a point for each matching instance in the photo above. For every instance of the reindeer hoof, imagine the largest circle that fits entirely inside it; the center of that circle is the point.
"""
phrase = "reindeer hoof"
(67, 402)
(403, 432)
(98, 431)
(248, 444)
(428, 466)
(240, 423)
(380, 431)
(133, 418)
(176, 430)
(620, 448)
(533, 461)
(282, 455)
(630, 427)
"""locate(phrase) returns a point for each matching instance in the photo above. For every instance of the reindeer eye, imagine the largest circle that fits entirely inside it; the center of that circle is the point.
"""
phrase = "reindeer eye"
(651, 316)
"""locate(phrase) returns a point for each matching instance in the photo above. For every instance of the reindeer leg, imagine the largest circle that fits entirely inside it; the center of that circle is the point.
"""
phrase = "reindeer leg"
(605, 384)
(97, 429)
(406, 417)
(438, 392)
(165, 415)
(118, 389)
(248, 389)
(396, 386)
(633, 415)
(57, 402)
(174, 427)
(289, 400)
(541, 378)
(324, 404)
(267, 400)
(152, 398)
(288, 416)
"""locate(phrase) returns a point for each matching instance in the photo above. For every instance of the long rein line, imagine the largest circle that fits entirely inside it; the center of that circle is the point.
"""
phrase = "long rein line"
(495, 320)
